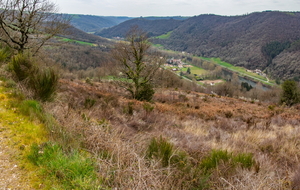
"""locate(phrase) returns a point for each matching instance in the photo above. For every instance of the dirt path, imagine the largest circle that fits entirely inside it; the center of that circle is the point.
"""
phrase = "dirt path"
(10, 172)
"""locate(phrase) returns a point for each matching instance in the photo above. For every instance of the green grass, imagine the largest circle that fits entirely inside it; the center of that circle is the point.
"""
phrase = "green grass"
(240, 70)
(77, 41)
(195, 70)
(21, 131)
(291, 13)
(165, 36)
(159, 46)
(47, 164)
(67, 170)
(244, 160)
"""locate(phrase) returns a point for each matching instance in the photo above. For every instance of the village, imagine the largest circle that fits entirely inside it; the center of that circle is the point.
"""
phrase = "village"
(176, 63)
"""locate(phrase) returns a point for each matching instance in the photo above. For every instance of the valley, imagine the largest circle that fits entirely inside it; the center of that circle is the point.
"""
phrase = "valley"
(203, 102)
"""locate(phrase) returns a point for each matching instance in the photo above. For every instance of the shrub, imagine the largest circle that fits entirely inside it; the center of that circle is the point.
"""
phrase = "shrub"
(129, 108)
(160, 149)
(44, 83)
(228, 114)
(89, 81)
(245, 160)
(148, 107)
(271, 107)
(5, 53)
(22, 66)
(88, 103)
(183, 98)
(146, 93)
(213, 159)
(290, 93)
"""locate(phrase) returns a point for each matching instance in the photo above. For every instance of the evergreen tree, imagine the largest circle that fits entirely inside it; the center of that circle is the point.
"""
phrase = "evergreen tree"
(290, 93)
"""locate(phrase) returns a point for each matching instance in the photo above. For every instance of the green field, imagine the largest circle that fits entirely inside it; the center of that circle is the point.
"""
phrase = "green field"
(165, 36)
(242, 71)
(76, 41)
(195, 70)
(159, 46)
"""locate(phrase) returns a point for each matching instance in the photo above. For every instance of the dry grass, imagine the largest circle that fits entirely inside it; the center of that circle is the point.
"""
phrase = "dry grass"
(117, 131)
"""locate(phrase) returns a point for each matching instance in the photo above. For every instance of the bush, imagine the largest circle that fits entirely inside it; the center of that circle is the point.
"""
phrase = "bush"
(160, 149)
(22, 66)
(88, 103)
(5, 53)
(228, 114)
(290, 93)
(146, 93)
(214, 159)
(44, 83)
(244, 160)
(148, 107)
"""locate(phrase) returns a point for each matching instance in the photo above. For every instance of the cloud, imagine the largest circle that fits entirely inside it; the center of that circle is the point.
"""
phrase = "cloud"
(173, 7)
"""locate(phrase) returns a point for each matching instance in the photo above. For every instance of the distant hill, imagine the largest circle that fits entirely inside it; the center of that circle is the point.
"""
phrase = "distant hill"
(90, 23)
(155, 26)
(262, 40)
(76, 34)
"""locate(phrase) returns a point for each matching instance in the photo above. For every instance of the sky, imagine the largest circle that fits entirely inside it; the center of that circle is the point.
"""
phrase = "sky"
(137, 8)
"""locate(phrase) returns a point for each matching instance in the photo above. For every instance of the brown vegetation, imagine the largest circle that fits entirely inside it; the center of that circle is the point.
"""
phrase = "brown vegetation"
(118, 131)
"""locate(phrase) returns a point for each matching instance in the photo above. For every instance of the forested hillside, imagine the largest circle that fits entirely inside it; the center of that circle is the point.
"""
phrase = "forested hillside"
(263, 40)
(251, 41)
(75, 33)
(90, 23)
(155, 26)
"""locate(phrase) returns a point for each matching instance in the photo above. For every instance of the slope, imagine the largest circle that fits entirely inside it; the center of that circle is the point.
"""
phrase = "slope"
(238, 40)
(260, 40)
(90, 23)
(154, 26)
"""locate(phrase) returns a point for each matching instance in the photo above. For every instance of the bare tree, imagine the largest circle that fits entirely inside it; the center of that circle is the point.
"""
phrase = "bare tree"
(136, 64)
(28, 24)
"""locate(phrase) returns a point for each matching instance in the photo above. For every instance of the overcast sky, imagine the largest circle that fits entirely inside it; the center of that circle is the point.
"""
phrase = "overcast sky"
(136, 8)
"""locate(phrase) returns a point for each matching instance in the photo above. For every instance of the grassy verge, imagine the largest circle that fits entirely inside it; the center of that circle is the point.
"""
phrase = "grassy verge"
(41, 148)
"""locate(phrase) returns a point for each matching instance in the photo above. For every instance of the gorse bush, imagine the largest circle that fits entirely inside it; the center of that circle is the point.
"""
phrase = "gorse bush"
(160, 149)
(88, 103)
(148, 107)
(5, 53)
(290, 93)
(215, 157)
(22, 66)
(146, 93)
(44, 83)
(212, 161)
